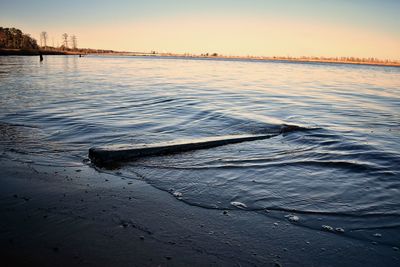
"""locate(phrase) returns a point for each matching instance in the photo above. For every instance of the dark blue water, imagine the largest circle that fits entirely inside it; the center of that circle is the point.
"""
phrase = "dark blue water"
(342, 171)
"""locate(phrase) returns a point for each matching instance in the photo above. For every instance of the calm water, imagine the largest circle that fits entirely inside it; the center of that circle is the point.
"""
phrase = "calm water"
(344, 171)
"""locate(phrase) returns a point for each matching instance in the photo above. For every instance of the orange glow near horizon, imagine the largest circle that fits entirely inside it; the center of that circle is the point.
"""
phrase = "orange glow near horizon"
(233, 36)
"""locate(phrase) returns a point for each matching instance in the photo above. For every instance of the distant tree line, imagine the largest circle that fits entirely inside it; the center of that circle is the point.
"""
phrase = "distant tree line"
(70, 43)
(337, 59)
(13, 38)
(208, 54)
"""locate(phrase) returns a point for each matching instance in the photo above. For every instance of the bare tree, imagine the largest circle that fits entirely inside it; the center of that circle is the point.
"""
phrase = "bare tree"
(74, 42)
(65, 40)
(43, 39)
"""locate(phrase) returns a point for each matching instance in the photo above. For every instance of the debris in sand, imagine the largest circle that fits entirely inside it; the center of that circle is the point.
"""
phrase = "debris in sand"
(327, 228)
(339, 230)
(238, 204)
(292, 218)
(177, 194)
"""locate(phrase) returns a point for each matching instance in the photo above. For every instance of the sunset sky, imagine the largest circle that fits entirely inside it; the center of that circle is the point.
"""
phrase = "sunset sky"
(360, 28)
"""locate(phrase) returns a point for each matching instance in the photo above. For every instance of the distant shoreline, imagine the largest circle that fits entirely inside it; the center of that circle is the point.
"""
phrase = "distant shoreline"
(271, 59)
(27, 52)
(21, 52)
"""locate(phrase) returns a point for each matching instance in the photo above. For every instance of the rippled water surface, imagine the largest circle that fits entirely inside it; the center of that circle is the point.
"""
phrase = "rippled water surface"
(342, 168)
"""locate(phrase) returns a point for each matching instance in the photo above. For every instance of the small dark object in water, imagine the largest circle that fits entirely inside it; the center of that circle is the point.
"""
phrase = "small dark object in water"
(111, 157)
(41, 57)
(80, 55)
(108, 156)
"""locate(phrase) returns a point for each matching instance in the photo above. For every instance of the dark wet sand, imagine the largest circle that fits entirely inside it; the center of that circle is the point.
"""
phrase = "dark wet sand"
(55, 216)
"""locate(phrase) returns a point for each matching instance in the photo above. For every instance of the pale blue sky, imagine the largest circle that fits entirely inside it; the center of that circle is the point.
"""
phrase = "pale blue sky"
(370, 20)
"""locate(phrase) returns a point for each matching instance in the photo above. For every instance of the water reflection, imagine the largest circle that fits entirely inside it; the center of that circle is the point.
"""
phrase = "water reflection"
(348, 165)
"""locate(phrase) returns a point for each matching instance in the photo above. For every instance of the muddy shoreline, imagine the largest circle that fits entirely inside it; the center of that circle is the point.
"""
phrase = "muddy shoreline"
(78, 216)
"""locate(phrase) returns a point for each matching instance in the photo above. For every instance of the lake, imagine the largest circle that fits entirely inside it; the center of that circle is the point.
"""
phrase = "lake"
(339, 172)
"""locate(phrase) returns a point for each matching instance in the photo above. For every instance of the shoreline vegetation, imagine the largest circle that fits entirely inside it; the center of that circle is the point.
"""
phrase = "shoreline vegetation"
(304, 59)
(13, 42)
(86, 51)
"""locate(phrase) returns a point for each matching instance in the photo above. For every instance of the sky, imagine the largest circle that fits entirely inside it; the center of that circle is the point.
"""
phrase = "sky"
(331, 28)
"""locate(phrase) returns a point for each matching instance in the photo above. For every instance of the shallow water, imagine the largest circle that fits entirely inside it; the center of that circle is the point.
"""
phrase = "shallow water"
(342, 171)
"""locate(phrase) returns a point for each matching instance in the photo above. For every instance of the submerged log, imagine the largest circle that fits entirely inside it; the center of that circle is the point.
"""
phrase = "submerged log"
(106, 156)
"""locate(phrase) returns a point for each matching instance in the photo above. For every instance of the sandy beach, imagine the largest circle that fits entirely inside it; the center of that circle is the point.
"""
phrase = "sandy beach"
(200, 133)
(77, 216)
